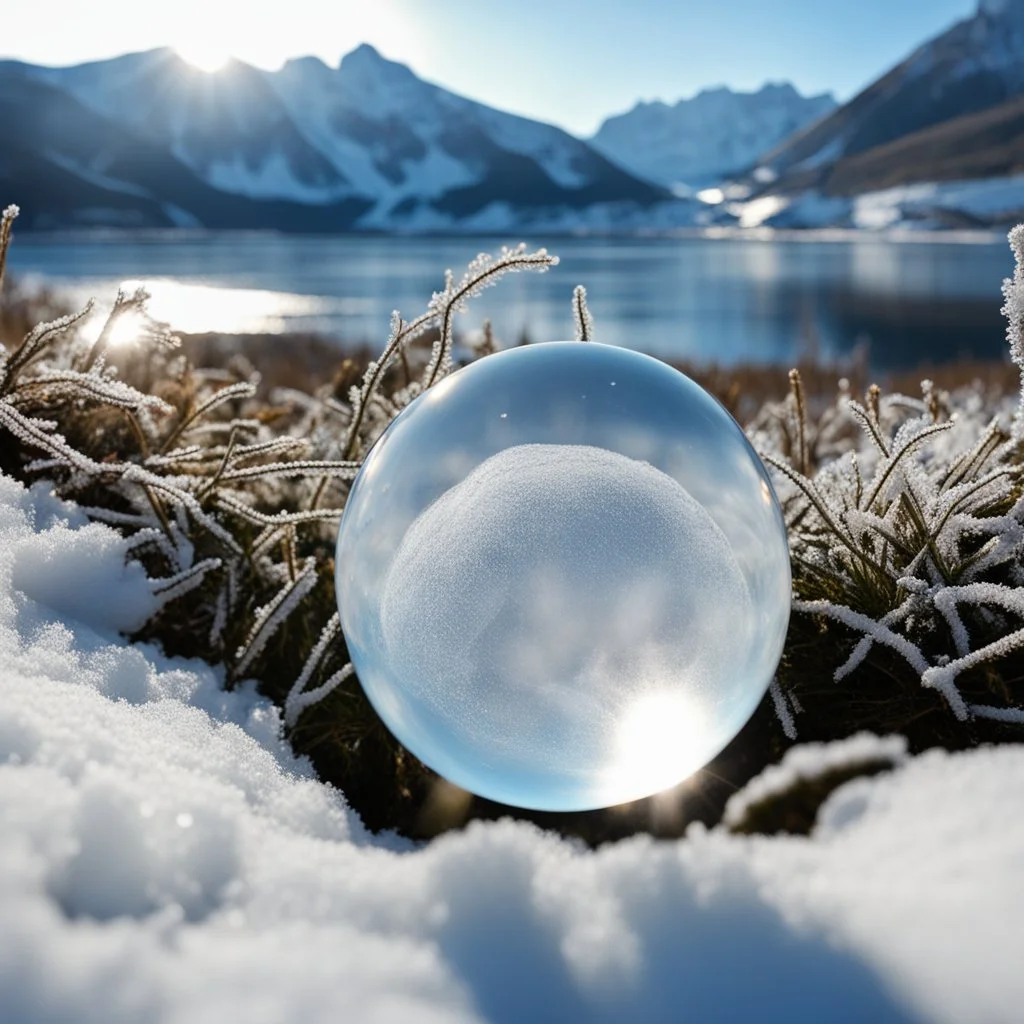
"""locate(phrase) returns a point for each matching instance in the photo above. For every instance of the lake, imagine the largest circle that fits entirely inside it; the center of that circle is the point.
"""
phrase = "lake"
(722, 300)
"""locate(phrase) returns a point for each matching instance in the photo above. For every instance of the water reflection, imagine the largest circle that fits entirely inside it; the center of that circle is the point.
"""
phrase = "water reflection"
(198, 308)
(696, 298)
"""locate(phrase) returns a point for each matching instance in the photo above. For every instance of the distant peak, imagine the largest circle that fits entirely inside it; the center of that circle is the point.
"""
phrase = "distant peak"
(996, 8)
(779, 88)
(368, 64)
(784, 92)
(716, 90)
(365, 56)
(309, 61)
(305, 67)
(365, 51)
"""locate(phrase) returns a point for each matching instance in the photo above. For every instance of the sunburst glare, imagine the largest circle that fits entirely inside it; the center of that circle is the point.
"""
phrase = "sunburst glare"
(126, 329)
(203, 55)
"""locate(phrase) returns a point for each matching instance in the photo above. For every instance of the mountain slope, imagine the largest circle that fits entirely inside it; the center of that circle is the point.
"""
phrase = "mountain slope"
(984, 145)
(67, 165)
(974, 66)
(715, 134)
(366, 145)
(423, 151)
(230, 128)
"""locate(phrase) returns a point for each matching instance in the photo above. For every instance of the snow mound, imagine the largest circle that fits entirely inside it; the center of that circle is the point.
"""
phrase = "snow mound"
(164, 858)
(811, 761)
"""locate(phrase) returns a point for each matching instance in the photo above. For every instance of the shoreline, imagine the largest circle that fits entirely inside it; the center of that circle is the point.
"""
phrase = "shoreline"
(900, 236)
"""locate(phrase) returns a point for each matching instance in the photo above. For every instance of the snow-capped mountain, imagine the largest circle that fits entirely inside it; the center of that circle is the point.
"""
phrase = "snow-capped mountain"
(715, 134)
(230, 128)
(367, 144)
(976, 65)
(67, 165)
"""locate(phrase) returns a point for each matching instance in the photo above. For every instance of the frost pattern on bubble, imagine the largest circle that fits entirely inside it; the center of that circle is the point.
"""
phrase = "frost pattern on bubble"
(563, 577)
(539, 599)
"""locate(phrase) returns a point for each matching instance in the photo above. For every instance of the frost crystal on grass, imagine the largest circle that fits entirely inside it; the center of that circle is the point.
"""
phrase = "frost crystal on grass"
(1013, 310)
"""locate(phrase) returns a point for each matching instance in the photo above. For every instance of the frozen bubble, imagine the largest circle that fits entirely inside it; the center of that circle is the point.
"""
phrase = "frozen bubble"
(563, 577)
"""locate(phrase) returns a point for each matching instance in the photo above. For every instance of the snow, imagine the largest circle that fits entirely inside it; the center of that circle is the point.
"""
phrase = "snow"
(923, 206)
(810, 761)
(272, 178)
(760, 211)
(368, 129)
(714, 134)
(806, 211)
(163, 857)
(988, 200)
(389, 99)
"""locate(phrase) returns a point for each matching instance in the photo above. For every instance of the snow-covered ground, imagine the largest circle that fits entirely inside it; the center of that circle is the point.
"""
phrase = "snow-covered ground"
(988, 200)
(923, 206)
(163, 857)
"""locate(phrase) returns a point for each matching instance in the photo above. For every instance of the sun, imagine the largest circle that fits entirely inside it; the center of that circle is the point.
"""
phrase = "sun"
(203, 55)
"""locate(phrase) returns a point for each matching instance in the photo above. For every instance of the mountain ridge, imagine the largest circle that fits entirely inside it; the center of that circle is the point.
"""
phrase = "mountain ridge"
(368, 142)
(716, 133)
(975, 65)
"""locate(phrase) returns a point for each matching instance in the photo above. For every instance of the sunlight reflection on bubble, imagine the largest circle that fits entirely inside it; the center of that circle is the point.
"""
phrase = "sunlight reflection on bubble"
(576, 603)
(651, 745)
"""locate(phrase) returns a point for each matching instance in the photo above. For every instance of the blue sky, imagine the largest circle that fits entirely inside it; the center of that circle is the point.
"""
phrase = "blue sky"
(571, 62)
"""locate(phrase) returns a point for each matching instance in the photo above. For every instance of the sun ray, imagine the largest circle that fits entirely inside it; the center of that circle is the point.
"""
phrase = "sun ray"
(203, 55)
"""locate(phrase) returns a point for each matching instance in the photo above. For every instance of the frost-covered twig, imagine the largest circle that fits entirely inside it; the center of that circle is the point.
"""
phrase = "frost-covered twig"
(1013, 310)
(109, 391)
(481, 273)
(36, 342)
(298, 697)
(125, 304)
(582, 320)
(252, 515)
(7, 219)
(188, 579)
(36, 434)
(339, 470)
(865, 624)
(231, 393)
(783, 711)
(272, 616)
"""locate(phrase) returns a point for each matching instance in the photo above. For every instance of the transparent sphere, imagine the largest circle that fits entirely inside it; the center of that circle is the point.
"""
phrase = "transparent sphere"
(563, 577)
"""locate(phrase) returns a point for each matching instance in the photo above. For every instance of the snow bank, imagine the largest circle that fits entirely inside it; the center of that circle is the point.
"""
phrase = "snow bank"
(986, 200)
(923, 206)
(164, 858)
(811, 761)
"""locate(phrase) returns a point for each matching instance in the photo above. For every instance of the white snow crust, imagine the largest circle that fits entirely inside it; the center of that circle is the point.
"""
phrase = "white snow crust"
(163, 857)
(810, 761)
(924, 206)
(991, 200)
